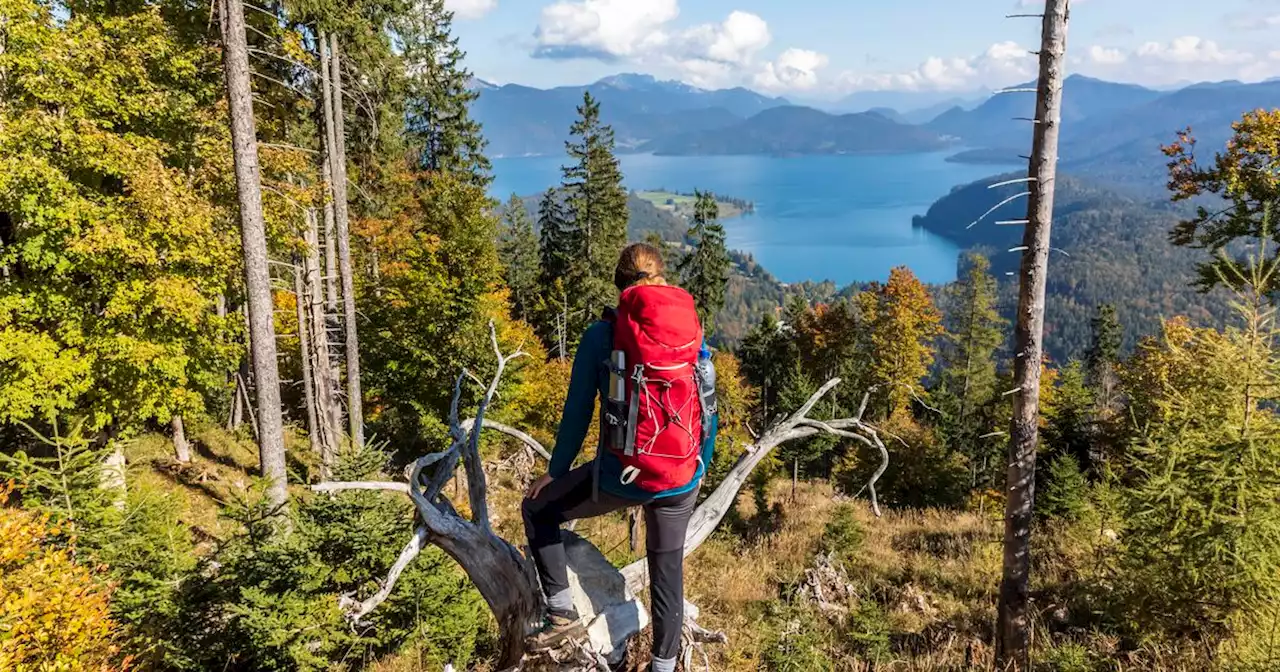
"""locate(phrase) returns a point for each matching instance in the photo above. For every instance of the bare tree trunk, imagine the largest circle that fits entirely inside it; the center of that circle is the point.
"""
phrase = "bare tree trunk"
(180, 445)
(240, 391)
(254, 241)
(1014, 623)
(338, 159)
(330, 237)
(328, 410)
(301, 299)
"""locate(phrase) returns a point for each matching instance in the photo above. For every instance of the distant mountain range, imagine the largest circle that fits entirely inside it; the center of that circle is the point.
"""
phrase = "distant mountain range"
(520, 120)
(783, 131)
(1109, 130)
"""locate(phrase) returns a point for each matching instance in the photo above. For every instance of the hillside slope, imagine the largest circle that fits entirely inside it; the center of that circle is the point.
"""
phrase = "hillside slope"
(1110, 247)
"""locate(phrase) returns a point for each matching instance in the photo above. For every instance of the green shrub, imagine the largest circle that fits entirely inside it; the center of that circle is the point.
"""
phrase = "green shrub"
(1065, 491)
(921, 473)
(843, 536)
(797, 641)
(1065, 657)
(867, 631)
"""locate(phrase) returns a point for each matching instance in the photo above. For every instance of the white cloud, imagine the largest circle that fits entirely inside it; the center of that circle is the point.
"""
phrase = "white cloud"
(1106, 55)
(1245, 21)
(736, 40)
(1187, 58)
(640, 32)
(1002, 63)
(605, 29)
(794, 69)
(470, 9)
(1191, 49)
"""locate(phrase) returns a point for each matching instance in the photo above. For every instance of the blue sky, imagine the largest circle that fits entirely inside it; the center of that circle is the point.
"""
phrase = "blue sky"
(829, 48)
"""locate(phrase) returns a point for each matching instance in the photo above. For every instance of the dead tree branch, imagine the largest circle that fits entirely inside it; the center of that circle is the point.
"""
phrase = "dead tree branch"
(507, 579)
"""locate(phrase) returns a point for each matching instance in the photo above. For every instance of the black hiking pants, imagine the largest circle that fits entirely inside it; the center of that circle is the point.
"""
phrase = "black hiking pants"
(666, 520)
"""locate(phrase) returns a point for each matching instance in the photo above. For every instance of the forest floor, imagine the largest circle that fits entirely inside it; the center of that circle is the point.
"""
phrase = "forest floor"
(815, 581)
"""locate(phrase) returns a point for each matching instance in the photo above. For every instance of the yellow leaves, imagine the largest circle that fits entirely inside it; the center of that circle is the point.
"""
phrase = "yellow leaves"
(38, 376)
(54, 613)
(904, 325)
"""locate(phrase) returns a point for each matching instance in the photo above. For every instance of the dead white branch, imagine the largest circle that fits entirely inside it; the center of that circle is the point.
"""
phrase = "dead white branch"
(507, 579)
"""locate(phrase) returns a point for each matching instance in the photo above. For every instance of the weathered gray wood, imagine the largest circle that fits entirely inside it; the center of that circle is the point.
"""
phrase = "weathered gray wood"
(508, 581)
(181, 448)
(338, 165)
(253, 237)
(1014, 622)
(304, 342)
(330, 236)
(328, 407)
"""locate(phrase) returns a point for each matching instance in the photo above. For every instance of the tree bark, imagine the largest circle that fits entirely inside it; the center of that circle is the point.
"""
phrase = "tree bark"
(1014, 623)
(338, 161)
(181, 448)
(328, 410)
(301, 300)
(254, 241)
(330, 237)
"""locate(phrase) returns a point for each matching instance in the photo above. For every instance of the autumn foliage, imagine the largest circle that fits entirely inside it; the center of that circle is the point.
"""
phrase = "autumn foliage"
(54, 613)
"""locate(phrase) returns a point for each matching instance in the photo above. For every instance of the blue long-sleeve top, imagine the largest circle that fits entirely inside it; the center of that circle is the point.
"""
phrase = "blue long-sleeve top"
(588, 382)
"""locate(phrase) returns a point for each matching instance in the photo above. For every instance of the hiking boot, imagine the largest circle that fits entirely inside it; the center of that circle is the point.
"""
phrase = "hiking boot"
(558, 626)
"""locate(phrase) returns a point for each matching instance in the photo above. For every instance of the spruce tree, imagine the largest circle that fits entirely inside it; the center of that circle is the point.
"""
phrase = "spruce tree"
(705, 271)
(439, 94)
(597, 203)
(1104, 354)
(975, 332)
(558, 253)
(518, 250)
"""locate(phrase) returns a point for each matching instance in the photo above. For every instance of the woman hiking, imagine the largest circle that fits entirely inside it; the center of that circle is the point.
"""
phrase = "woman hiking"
(648, 364)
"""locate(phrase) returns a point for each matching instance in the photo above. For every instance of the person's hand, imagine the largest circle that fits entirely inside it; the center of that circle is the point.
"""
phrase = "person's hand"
(536, 487)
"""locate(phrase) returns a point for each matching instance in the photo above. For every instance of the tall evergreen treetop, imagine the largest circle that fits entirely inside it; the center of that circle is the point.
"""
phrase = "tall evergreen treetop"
(597, 202)
(559, 240)
(439, 96)
(705, 271)
(975, 332)
(518, 250)
(1104, 354)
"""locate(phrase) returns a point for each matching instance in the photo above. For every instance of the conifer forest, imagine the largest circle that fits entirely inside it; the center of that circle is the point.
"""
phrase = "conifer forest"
(277, 366)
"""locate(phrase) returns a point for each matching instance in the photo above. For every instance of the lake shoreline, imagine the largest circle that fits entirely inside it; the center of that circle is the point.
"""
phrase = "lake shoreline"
(841, 218)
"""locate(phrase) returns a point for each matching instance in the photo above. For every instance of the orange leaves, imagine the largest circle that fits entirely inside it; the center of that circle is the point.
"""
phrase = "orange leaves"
(54, 613)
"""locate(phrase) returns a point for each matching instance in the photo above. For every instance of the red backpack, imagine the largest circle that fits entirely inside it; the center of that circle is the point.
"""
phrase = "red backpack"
(652, 413)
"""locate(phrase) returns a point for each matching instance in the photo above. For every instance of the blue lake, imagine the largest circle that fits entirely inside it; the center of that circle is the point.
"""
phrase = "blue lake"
(840, 218)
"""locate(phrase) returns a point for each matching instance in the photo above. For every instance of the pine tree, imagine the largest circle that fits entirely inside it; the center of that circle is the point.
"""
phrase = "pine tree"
(597, 203)
(558, 241)
(518, 250)
(765, 363)
(439, 95)
(975, 332)
(705, 271)
(1103, 355)
(558, 251)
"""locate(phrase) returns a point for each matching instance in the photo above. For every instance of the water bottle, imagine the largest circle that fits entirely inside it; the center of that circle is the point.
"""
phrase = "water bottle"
(706, 375)
(617, 399)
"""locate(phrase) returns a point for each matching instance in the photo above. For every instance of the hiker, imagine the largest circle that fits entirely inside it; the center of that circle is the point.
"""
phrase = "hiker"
(648, 364)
